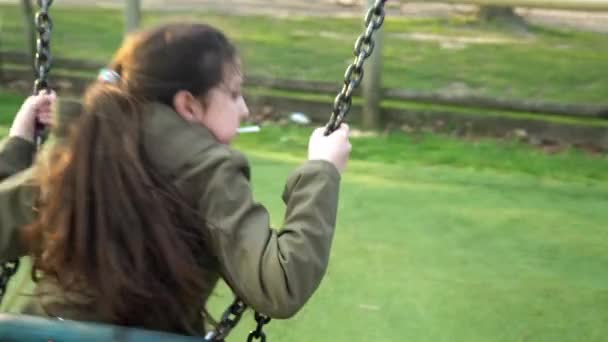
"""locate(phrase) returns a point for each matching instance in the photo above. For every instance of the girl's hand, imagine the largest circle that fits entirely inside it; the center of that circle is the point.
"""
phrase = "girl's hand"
(39, 107)
(334, 148)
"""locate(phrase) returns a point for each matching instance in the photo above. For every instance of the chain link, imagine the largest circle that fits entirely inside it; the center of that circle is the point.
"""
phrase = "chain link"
(8, 270)
(258, 333)
(364, 47)
(229, 320)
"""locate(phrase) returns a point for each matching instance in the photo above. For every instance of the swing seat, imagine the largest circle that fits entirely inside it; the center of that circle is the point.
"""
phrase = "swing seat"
(23, 328)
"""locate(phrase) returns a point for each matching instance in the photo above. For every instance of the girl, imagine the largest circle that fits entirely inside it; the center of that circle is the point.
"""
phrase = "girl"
(145, 205)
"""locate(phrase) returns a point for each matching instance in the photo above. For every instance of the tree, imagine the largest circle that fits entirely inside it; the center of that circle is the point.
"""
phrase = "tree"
(504, 15)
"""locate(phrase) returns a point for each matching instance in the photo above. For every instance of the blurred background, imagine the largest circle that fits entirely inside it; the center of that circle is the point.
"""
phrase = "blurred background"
(474, 208)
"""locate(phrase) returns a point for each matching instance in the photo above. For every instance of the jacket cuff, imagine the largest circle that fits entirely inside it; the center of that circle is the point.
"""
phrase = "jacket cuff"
(321, 170)
(312, 166)
(16, 153)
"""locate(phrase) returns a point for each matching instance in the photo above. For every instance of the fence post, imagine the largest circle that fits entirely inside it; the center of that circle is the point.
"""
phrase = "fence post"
(27, 12)
(132, 15)
(372, 82)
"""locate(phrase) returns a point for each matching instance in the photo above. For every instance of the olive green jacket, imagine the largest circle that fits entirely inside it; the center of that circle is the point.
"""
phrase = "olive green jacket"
(273, 271)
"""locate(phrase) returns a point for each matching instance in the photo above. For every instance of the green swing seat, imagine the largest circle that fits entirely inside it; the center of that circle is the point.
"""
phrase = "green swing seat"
(23, 328)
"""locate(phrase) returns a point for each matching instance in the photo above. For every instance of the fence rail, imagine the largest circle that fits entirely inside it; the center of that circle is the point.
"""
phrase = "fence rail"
(75, 69)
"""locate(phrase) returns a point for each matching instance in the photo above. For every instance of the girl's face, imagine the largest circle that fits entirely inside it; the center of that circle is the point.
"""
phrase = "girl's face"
(225, 108)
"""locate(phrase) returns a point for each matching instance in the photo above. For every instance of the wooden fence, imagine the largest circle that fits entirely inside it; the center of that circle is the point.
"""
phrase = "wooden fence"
(73, 70)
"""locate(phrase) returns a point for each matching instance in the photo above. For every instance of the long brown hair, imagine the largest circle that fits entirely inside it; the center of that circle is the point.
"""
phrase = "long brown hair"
(110, 227)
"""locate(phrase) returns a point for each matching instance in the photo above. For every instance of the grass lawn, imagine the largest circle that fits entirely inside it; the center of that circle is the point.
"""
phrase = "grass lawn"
(440, 239)
(452, 55)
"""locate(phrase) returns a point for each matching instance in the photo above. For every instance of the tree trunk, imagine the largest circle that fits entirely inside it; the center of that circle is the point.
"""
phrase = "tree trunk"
(504, 15)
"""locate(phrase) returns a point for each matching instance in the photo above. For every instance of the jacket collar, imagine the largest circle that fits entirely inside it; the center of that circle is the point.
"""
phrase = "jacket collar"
(169, 141)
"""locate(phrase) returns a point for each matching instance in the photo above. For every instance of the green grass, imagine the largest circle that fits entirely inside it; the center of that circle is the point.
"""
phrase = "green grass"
(441, 239)
(411, 150)
(448, 254)
(545, 64)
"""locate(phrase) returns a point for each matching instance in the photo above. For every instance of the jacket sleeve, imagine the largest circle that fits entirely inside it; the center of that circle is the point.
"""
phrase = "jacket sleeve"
(16, 211)
(16, 154)
(275, 272)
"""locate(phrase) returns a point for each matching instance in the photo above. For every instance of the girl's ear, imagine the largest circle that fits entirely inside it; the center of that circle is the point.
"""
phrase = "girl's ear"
(188, 106)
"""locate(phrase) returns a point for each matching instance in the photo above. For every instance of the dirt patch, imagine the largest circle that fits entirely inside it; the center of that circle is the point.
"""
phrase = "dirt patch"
(457, 42)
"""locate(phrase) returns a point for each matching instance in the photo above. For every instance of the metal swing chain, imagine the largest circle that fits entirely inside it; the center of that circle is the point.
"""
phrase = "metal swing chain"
(43, 59)
(364, 47)
(258, 333)
(231, 318)
(8, 270)
(42, 66)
